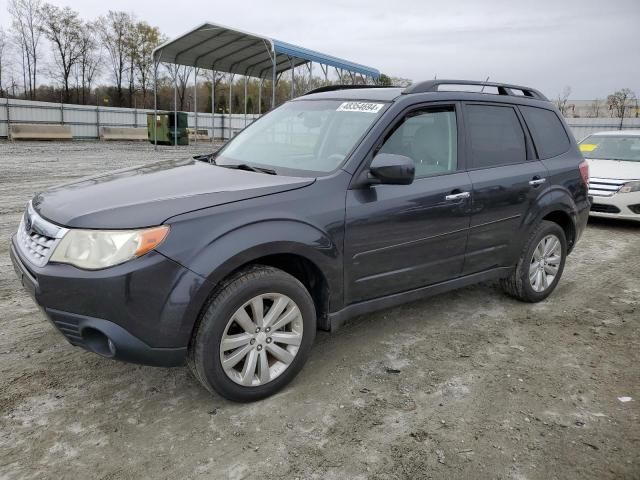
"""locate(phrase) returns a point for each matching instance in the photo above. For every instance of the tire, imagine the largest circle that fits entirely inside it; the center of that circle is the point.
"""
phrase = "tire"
(520, 284)
(270, 359)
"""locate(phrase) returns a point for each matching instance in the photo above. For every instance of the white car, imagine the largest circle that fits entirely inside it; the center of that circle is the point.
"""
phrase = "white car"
(614, 173)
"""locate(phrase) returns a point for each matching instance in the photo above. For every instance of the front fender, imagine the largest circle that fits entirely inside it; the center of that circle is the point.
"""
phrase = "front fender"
(248, 243)
(217, 256)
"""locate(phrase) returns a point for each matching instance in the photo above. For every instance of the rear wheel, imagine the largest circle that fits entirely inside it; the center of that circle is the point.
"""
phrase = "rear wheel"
(254, 336)
(540, 265)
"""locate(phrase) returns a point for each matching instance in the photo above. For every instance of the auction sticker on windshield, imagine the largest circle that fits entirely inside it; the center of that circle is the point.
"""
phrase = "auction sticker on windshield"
(365, 107)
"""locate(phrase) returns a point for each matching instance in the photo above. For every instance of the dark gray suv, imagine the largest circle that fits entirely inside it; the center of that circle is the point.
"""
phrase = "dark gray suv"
(338, 203)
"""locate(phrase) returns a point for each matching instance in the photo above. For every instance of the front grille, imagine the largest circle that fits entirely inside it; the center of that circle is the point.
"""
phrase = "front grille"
(35, 247)
(36, 237)
(635, 208)
(602, 208)
(605, 187)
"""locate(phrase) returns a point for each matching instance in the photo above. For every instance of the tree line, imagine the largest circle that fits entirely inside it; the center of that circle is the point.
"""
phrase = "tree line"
(621, 104)
(51, 43)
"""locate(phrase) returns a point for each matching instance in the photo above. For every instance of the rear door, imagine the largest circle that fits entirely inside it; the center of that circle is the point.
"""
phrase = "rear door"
(401, 237)
(506, 178)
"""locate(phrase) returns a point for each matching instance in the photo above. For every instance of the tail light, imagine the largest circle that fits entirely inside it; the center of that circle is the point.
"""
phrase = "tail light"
(584, 172)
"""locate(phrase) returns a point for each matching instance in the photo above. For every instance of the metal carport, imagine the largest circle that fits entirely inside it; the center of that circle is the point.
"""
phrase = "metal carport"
(228, 50)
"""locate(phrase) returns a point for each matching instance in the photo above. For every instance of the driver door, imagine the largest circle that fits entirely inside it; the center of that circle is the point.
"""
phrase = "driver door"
(402, 237)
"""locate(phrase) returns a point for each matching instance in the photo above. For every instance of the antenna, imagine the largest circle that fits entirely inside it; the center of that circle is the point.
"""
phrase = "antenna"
(485, 82)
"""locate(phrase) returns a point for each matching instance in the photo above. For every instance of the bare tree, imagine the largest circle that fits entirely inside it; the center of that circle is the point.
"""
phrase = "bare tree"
(561, 103)
(3, 57)
(180, 77)
(114, 32)
(148, 38)
(63, 29)
(27, 23)
(132, 40)
(619, 101)
(594, 108)
(89, 59)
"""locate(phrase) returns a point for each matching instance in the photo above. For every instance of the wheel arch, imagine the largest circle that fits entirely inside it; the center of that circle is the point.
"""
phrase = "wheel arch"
(297, 248)
(555, 205)
(563, 219)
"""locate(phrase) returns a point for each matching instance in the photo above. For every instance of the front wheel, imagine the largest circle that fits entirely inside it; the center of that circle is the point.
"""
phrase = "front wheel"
(254, 336)
(540, 265)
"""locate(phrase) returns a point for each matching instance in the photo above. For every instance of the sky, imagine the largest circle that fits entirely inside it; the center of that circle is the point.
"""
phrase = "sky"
(591, 46)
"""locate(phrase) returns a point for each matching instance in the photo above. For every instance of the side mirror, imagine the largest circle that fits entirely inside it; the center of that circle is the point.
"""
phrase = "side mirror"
(391, 169)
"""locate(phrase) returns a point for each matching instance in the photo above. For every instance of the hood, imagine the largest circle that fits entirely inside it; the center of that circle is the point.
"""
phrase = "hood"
(621, 170)
(148, 195)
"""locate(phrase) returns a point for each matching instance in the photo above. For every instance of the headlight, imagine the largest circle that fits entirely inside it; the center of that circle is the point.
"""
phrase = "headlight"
(630, 187)
(95, 249)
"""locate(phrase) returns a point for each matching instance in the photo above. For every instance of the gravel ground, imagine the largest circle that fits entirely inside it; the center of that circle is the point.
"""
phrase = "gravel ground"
(470, 384)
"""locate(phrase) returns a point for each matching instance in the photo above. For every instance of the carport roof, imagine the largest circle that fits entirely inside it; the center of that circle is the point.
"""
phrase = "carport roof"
(226, 49)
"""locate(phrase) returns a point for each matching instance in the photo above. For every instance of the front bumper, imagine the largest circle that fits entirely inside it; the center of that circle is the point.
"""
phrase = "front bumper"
(619, 205)
(142, 311)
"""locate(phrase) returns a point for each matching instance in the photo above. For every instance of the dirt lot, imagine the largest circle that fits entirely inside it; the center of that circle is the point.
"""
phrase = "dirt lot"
(466, 385)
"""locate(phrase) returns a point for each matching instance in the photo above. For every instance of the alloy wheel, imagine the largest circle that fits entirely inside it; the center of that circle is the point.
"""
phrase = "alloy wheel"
(545, 263)
(261, 339)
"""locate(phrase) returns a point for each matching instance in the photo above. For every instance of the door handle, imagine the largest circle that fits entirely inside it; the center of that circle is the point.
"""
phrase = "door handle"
(457, 196)
(537, 181)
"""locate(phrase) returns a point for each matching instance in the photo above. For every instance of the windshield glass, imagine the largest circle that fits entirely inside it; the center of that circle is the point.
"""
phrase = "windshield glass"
(618, 147)
(304, 137)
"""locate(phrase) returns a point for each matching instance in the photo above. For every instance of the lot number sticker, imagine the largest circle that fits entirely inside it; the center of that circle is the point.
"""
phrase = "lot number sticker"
(365, 107)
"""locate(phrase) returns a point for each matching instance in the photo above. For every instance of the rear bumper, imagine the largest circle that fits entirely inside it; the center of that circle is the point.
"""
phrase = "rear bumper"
(142, 311)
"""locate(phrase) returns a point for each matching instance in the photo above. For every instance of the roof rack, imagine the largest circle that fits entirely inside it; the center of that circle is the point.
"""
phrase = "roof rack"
(503, 88)
(331, 88)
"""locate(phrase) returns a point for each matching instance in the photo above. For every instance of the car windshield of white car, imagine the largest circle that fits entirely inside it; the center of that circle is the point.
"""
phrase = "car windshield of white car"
(605, 147)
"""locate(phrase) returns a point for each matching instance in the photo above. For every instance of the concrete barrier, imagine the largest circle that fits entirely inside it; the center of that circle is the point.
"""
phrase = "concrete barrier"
(123, 133)
(34, 131)
(202, 135)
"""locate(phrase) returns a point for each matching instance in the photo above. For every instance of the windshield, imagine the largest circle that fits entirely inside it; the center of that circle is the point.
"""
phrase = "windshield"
(304, 137)
(618, 147)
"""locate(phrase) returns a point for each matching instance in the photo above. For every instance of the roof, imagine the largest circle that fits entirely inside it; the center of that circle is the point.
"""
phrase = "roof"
(230, 50)
(618, 133)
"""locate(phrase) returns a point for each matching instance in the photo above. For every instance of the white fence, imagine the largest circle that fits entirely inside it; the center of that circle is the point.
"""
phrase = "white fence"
(581, 127)
(86, 120)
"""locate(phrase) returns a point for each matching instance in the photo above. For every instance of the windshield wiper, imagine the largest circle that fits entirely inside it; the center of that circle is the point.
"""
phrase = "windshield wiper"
(209, 157)
(249, 168)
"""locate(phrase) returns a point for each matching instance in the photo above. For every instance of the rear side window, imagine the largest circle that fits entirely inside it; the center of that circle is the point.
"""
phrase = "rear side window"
(548, 133)
(496, 136)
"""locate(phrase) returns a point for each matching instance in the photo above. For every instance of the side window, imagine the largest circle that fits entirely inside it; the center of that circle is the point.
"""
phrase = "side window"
(429, 138)
(548, 133)
(496, 136)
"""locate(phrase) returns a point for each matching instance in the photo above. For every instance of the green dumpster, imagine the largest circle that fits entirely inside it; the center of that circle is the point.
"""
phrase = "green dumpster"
(167, 131)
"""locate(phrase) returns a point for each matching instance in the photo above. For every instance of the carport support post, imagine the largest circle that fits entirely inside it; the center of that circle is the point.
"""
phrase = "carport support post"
(155, 102)
(246, 79)
(213, 105)
(195, 104)
(230, 95)
(97, 114)
(293, 77)
(273, 81)
(175, 107)
(259, 96)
